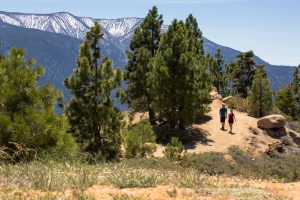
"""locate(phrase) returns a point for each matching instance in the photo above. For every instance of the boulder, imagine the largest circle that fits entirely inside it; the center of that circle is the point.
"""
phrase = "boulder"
(271, 122)
(227, 99)
(276, 132)
(214, 95)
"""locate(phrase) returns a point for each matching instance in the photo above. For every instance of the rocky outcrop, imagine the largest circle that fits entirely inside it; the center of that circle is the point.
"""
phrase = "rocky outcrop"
(272, 122)
(279, 147)
(276, 132)
(227, 99)
(214, 95)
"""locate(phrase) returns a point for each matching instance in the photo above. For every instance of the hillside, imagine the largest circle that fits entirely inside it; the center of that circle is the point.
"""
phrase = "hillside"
(208, 137)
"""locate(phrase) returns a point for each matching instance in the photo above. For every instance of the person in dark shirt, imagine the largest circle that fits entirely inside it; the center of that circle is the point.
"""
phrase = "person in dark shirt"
(231, 119)
(223, 116)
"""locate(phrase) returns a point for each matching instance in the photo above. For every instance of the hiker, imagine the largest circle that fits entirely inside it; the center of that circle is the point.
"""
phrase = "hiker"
(231, 119)
(223, 115)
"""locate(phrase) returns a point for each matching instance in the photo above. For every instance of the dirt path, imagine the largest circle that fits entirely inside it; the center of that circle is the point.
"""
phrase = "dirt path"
(214, 139)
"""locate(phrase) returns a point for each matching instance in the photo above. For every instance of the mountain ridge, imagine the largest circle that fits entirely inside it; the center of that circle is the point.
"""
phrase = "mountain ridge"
(15, 28)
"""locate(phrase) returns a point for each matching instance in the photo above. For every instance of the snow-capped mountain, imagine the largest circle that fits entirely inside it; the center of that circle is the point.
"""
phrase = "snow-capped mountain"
(68, 24)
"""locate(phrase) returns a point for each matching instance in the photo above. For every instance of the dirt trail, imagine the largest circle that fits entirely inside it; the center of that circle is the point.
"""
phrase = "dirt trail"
(214, 139)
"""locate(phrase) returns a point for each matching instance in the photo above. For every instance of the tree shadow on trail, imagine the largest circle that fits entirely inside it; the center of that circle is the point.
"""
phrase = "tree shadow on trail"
(203, 119)
(189, 137)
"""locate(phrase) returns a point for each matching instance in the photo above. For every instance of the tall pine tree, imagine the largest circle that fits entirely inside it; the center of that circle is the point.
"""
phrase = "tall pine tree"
(178, 78)
(241, 73)
(95, 122)
(143, 48)
(260, 98)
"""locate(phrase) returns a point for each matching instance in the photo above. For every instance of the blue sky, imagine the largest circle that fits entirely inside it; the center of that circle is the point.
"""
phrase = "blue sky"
(271, 28)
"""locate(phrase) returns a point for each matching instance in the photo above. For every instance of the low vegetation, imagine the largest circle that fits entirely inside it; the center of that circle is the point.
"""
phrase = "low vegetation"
(140, 140)
(174, 150)
(199, 172)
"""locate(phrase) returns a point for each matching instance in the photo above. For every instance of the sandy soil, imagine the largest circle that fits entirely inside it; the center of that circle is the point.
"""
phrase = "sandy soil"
(226, 188)
(283, 190)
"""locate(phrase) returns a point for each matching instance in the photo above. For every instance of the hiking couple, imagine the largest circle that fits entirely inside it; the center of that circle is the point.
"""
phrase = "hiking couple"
(223, 116)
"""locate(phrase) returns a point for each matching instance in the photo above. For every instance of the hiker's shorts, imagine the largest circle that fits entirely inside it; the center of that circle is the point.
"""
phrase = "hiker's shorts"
(223, 119)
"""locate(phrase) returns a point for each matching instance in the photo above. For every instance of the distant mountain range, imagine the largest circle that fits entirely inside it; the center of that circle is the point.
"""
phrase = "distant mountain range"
(54, 39)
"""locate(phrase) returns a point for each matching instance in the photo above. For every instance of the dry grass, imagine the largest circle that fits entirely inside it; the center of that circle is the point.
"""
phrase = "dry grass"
(52, 180)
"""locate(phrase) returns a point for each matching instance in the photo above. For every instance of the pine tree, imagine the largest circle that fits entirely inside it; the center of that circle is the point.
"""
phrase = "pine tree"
(27, 115)
(286, 101)
(143, 47)
(2, 57)
(260, 98)
(241, 72)
(296, 82)
(94, 120)
(178, 78)
(217, 74)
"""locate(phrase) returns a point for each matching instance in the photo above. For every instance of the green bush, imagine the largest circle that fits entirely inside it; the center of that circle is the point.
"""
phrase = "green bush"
(140, 140)
(174, 150)
(27, 115)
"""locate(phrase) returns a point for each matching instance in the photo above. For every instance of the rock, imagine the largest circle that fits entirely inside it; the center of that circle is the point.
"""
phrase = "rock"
(218, 97)
(227, 99)
(279, 147)
(276, 132)
(271, 122)
(214, 95)
(295, 136)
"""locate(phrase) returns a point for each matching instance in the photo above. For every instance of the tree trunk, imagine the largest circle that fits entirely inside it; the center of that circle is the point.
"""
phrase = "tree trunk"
(151, 112)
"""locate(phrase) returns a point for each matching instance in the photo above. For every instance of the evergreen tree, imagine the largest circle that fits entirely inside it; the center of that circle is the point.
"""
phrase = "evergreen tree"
(241, 72)
(260, 98)
(143, 47)
(286, 101)
(178, 77)
(217, 74)
(94, 120)
(2, 57)
(296, 82)
(27, 115)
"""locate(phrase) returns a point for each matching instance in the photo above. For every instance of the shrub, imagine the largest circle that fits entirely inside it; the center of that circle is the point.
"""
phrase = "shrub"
(281, 166)
(27, 115)
(239, 104)
(212, 163)
(287, 141)
(140, 140)
(133, 179)
(174, 150)
(160, 164)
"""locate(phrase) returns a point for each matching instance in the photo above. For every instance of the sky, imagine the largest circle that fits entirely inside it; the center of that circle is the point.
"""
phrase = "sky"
(271, 28)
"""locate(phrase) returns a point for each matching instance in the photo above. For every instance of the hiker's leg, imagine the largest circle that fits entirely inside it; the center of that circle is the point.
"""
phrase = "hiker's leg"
(230, 125)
